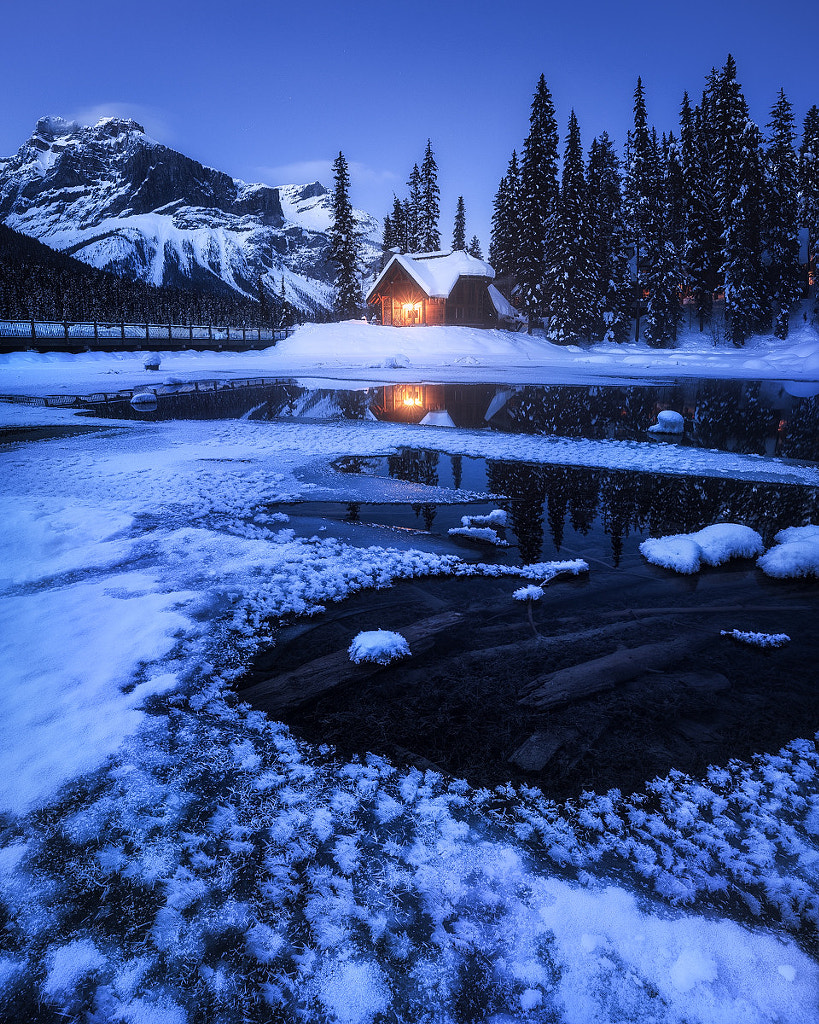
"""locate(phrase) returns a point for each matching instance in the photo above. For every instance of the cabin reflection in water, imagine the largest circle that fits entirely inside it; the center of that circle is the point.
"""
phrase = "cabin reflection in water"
(467, 405)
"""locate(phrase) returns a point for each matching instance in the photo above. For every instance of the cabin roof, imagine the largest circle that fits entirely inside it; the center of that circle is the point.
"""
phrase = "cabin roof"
(436, 273)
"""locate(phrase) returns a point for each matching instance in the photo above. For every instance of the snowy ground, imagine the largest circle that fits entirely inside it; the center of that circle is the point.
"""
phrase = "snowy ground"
(362, 353)
(169, 856)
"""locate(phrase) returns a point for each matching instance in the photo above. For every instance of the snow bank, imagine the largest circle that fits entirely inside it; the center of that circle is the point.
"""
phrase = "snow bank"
(796, 553)
(713, 545)
(380, 646)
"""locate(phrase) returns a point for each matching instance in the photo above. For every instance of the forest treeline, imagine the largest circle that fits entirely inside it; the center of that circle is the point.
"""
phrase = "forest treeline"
(713, 211)
(39, 283)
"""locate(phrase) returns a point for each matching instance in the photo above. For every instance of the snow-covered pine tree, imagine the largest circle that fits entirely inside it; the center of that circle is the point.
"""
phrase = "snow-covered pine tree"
(663, 271)
(698, 255)
(610, 252)
(344, 245)
(503, 247)
(781, 235)
(474, 247)
(429, 212)
(740, 195)
(538, 193)
(809, 187)
(459, 230)
(569, 270)
(641, 194)
(398, 221)
(412, 211)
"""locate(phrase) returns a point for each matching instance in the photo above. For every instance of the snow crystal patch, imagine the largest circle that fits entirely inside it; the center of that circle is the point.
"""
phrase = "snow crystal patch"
(529, 593)
(796, 553)
(757, 639)
(380, 646)
(713, 545)
(158, 1011)
(69, 965)
(354, 991)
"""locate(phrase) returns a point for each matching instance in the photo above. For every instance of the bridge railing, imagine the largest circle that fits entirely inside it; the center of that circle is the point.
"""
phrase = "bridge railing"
(110, 333)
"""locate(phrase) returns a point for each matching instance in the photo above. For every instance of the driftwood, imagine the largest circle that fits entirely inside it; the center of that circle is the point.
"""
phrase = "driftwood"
(289, 689)
(600, 674)
(535, 753)
(557, 641)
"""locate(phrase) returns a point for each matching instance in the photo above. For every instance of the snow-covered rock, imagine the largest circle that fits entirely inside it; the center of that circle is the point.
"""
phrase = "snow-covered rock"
(114, 198)
(713, 545)
(668, 422)
(796, 553)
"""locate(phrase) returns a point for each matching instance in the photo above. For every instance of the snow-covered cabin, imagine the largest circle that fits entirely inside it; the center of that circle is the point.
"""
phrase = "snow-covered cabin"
(434, 288)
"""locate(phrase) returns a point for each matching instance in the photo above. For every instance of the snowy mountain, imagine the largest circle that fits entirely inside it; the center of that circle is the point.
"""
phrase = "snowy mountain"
(116, 199)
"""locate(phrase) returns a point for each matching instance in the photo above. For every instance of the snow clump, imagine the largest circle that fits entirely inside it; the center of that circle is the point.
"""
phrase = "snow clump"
(530, 593)
(796, 553)
(757, 639)
(668, 422)
(380, 646)
(713, 545)
(497, 517)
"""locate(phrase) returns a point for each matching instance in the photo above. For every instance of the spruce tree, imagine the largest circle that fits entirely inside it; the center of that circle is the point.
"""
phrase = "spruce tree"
(698, 257)
(611, 282)
(641, 194)
(538, 194)
(663, 271)
(398, 222)
(344, 245)
(740, 196)
(781, 215)
(459, 230)
(474, 247)
(569, 264)
(413, 206)
(429, 211)
(505, 241)
(809, 186)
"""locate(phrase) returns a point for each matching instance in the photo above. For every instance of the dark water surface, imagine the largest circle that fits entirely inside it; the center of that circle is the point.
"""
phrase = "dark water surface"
(766, 418)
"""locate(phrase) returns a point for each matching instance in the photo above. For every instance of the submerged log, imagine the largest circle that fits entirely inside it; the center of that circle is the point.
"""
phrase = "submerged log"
(289, 689)
(600, 674)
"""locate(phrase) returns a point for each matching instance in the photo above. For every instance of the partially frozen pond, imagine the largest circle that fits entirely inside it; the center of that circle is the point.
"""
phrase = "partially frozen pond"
(759, 417)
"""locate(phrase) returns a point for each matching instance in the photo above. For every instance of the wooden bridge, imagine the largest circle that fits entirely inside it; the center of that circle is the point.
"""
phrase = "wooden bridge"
(71, 336)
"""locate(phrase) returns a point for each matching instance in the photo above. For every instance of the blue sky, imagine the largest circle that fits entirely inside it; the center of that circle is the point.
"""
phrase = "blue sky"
(272, 91)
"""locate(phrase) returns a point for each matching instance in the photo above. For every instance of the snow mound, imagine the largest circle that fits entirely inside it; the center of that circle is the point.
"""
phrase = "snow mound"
(380, 646)
(796, 553)
(483, 534)
(687, 552)
(668, 422)
(757, 639)
(530, 593)
(497, 517)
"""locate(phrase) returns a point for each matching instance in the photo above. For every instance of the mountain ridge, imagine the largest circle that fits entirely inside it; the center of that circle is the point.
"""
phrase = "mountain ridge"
(116, 199)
